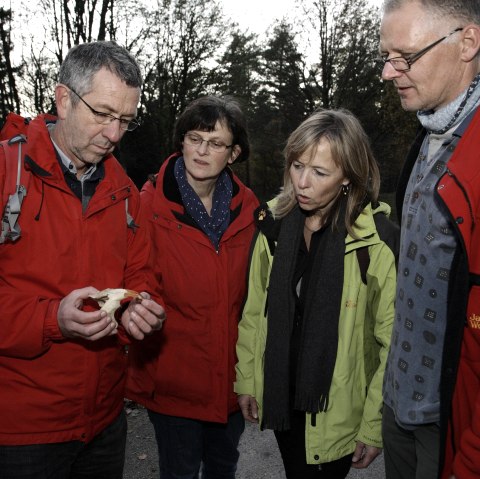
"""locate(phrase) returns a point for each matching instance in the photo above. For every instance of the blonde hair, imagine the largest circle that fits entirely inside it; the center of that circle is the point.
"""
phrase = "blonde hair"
(351, 152)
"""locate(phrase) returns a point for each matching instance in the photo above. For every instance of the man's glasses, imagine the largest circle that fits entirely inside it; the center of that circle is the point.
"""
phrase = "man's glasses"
(197, 141)
(403, 64)
(105, 118)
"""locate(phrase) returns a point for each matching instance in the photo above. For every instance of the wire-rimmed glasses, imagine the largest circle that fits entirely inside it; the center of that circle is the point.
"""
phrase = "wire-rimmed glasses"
(403, 64)
(103, 118)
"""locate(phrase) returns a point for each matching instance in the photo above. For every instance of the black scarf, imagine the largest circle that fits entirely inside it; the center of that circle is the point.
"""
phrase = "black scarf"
(319, 334)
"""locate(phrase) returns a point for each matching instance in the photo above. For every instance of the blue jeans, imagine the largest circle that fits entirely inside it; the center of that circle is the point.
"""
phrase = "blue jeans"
(103, 457)
(184, 445)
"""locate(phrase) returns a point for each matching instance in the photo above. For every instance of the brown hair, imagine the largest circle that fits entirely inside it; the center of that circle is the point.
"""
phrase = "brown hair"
(204, 113)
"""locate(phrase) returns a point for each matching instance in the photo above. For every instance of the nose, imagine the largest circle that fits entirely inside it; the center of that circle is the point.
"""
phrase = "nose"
(113, 132)
(203, 147)
(303, 179)
(389, 73)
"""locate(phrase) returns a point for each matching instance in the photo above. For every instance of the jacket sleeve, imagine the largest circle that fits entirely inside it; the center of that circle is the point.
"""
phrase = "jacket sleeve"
(381, 283)
(464, 423)
(249, 343)
(139, 273)
(17, 341)
(147, 196)
(466, 463)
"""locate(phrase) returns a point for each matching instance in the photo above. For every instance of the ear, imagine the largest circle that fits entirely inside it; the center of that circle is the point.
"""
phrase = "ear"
(470, 42)
(236, 150)
(62, 100)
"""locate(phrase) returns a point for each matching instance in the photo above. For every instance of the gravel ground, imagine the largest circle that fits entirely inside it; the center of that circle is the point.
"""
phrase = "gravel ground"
(259, 456)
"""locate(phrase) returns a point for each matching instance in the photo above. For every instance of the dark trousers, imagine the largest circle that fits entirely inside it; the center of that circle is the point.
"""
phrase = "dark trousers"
(292, 448)
(186, 444)
(103, 457)
(409, 454)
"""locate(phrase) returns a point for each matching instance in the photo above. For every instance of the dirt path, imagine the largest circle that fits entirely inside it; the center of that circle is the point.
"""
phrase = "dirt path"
(259, 456)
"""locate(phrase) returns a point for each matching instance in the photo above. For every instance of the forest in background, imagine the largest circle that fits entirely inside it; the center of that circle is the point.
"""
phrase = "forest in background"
(324, 57)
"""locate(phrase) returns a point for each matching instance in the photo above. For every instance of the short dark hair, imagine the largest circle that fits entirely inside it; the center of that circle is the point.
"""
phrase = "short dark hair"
(85, 60)
(204, 113)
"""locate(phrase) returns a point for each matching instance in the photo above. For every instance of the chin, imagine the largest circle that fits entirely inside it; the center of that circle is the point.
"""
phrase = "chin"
(306, 207)
(408, 106)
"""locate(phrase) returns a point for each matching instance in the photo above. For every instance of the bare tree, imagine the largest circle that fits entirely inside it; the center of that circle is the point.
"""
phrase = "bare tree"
(78, 21)
(238, 75)
(9, 99)
(345, 33)
(182, 40)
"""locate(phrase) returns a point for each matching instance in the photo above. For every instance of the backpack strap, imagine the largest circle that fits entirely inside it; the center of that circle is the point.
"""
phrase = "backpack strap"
(363, 257)
(389, 233)
(14, 189)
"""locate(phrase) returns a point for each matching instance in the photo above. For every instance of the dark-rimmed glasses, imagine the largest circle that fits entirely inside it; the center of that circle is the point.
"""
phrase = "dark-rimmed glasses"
(106, 118)
(197, 141)
(403, 64)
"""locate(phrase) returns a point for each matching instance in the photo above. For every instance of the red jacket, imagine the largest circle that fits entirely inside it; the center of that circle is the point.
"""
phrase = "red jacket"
(459, 190)
(54, 389)
(189, 369)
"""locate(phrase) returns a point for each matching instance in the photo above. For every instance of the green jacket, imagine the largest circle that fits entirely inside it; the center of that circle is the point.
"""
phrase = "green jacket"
(354, 411)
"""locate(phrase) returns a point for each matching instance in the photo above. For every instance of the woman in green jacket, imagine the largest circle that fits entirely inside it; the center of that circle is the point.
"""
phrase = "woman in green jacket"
(315, 330)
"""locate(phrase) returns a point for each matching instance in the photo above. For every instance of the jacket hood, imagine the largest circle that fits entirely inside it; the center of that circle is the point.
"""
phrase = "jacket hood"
(365, 227)
(169, 204)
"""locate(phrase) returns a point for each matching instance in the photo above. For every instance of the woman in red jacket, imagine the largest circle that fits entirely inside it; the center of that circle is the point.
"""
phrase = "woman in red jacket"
(201, 226)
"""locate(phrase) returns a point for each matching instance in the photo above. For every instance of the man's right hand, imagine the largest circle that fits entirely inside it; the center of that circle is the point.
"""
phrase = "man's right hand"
(75, 323)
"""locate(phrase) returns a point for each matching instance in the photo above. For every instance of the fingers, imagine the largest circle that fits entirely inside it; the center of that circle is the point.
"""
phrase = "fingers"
(364, 455)
(143, 318)
(75, 323)
(249, 407)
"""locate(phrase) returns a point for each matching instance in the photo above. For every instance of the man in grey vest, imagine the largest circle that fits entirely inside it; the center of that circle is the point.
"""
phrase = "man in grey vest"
(430, 51)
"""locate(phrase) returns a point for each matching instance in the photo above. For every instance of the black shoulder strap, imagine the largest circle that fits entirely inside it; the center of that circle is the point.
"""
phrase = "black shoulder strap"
(389, 233)
(363, 257)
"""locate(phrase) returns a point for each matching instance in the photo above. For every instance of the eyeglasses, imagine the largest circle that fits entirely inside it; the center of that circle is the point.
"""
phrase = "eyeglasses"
(403, 64)
(105, 118)
(197, 141)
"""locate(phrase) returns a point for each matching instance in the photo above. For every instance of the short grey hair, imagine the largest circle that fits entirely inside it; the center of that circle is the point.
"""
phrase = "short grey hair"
(85, 60)
(467, 11)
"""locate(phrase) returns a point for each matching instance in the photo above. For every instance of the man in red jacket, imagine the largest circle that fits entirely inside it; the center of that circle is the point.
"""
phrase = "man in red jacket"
(62, 359)
(431, 421)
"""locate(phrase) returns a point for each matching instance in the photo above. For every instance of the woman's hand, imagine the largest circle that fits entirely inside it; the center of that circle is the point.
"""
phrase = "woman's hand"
(249, 407)
(364, 455)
